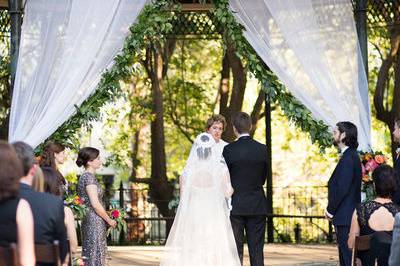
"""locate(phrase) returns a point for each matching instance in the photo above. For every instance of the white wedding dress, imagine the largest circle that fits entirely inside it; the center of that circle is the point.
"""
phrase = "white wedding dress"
(202, 234)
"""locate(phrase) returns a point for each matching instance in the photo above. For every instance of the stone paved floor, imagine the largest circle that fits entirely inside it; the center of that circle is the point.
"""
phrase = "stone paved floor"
(303, 255)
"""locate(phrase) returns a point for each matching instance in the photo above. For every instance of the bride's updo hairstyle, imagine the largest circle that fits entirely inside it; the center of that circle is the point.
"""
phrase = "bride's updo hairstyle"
(86, 155)
(204, 142)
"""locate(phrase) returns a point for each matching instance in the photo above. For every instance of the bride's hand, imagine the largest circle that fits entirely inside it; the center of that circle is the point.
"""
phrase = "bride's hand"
(112, 223)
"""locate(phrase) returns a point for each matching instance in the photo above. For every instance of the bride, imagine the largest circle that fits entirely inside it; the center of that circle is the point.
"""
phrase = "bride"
(202, 234)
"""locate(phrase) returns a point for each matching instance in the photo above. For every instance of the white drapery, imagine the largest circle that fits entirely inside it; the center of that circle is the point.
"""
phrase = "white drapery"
(65, 47)
(312, 46)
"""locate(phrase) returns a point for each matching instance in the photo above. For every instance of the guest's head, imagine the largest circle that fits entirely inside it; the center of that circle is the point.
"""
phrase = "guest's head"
(51, 181)
(89, 157)
(26, 156)
(11, 171)
(384, 181)
(241, 122)
(53, 154)
(215, 126)
(38, 180)
(345, 133)
(396, 131)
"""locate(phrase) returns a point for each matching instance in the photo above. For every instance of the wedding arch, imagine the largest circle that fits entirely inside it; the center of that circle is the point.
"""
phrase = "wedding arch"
(329, 82)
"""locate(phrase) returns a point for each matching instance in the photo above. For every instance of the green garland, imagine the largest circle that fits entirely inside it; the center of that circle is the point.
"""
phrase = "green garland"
(153, 24)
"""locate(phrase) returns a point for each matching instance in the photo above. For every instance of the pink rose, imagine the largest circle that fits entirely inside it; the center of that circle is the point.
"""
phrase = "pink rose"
(115, 214)
(371, 165)
(364, 172)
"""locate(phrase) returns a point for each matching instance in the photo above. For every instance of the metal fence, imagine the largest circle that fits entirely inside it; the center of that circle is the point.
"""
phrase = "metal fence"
(297, 216)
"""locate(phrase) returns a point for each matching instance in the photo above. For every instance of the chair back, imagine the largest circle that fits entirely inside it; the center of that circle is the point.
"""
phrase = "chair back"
(48, 253)
(361, 243)
(8, 255)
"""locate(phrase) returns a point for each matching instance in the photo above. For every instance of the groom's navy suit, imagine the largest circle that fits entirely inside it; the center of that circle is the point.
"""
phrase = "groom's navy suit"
(344, 194)
(247, 163)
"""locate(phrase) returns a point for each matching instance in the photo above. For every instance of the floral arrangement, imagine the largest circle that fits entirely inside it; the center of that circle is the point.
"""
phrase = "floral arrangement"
(77, 205)
(78, 262)
(118, 215)
(369, 162)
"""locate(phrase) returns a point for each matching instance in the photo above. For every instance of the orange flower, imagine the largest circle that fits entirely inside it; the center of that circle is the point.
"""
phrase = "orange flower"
(38, 159)
(380, 159)
(366, 178)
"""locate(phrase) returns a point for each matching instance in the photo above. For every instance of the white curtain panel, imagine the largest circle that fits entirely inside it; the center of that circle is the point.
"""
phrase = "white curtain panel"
(65, 47)
(312, 46)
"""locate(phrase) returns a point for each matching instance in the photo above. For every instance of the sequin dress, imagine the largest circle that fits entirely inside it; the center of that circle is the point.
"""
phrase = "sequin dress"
(94, 239)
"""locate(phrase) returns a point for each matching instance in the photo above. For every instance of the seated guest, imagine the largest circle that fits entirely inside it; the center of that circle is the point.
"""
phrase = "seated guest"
(16, 221)
(376, 215)
(394, 259)
(51, 185)
(47, 210)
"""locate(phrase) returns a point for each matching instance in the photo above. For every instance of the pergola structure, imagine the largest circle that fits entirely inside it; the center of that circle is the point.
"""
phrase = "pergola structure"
(195, 20)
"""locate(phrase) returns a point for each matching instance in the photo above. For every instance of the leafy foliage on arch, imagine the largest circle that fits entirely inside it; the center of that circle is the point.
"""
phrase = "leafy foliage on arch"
(153, 25)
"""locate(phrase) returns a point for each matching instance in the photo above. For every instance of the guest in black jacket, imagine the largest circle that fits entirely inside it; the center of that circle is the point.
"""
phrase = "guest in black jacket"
(344, 187)
(48, 210)
(247, 163)
(396, 163)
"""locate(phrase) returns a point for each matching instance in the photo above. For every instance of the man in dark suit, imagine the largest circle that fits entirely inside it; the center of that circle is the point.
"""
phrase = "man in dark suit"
(47, 209)
(344, 187)
(396, 163)
(247, 163)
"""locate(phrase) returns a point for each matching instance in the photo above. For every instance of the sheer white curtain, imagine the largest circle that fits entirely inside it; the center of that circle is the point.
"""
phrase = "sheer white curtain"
(65, 47)
(312, 46)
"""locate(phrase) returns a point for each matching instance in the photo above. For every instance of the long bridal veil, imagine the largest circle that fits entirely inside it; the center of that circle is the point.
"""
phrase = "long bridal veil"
(202, 234)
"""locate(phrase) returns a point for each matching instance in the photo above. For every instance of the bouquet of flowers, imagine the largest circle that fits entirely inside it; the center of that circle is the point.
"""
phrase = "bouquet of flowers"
(118, 215)
(77, 205)
(369, 162)
(78, 262)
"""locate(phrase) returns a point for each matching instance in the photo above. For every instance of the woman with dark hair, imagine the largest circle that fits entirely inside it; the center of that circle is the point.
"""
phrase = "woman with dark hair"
(54, 155)
(16, 221)
(51, 186)
(376, 215)
(94, 244)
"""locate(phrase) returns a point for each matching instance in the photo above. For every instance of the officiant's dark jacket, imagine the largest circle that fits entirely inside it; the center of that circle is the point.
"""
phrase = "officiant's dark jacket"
(344, 188)
(48, 216)
(247, 163)
(396, 196)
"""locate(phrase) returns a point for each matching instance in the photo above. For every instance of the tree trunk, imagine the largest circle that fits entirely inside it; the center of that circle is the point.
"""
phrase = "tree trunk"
(239, 75)
(385, 112)
(160, 190)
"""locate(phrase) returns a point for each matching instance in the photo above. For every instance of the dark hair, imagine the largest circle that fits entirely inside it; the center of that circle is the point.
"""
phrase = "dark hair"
(51, 181)
(384, 180)
(25, 155)
(86, 155)
(11, 171)
(47, 157)
(351, 133)
(242, 122)
(216, 119)
(397, 121)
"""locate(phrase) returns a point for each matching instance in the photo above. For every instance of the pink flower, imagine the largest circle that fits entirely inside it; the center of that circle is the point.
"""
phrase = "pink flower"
(115, 214)
(364, 172)
(371, 165)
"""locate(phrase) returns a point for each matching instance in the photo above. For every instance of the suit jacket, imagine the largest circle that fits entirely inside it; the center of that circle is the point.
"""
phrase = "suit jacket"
(394, 259)
(247, 163)
(48, 216)
(344, 188)
(396, 195)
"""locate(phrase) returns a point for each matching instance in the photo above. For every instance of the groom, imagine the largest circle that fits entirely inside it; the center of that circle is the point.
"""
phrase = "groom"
(344, 187)
(247, 163)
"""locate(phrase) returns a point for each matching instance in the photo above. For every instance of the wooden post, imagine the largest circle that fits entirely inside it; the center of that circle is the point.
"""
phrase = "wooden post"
(270, 222)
